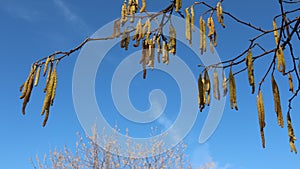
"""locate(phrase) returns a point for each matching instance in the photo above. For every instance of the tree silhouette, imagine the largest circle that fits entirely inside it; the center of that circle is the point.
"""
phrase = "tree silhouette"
(88, 154)
(281, 56)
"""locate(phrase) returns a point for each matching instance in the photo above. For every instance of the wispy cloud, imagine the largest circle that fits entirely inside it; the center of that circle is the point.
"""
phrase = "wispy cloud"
(71, 16)
(19, 11)
(202, 157)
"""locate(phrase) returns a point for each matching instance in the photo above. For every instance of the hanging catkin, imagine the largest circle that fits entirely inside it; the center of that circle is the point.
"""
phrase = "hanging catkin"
(48, 76)
(291, 83)
(276, 36)
(151, 54)
(220, 14)
(178, 4)
(249, 64)
(172, 35)
(24, 86)
(291, 134)
(165, 53)
(192, 18)
(277, 104)
(138, 33)
(188, 35)
(232, 87)
(46, 65)
(212, 33)
(49, 88)
(124, 17)
(207, 87)
(202, 35)
(224, 84)
(200, 93)
(147, 28)
(54, 86)
(143, 6)
(261, 116)
(280, 60)
(37, 77)
(216, 85)
(159, 48)
(28, 88)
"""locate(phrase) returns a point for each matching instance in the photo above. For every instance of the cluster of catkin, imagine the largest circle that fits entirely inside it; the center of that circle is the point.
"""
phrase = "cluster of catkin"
(33, 80)
(204, 88)
(143, 35)
(212, 34)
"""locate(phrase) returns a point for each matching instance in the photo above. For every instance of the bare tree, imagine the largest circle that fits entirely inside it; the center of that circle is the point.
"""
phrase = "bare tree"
(281, 56)
(88, 154)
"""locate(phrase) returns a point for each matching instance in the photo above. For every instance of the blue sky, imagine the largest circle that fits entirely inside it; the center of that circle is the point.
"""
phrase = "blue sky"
(34, 29)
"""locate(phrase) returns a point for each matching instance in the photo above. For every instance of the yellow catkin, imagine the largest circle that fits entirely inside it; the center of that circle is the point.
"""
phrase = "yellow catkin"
(144, 57)
(202, 35)
(172, 35)
(291, 134)
(49, 92)
(29, 89)
(232, 86)
(276, 36)
(261, 116)
(280, 60)
(143, 6)
(216, 85)
(188, 26)
(165, 53)
(151, 50)
(54, 86)
(220, 14)
(200, 93)
(178, 4)
(138, 33)
(24, 86)
(250, 67)
(132, 7)
(48, 76)
(159, 49)
(277, 104)
(192, 18)
(37, 77)
(224, 84)
(144, 54)
(46, 65)
(124, 16)
(148, 29)
(207, 87)
(291, 83)
(211, 33)
(46, 118)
